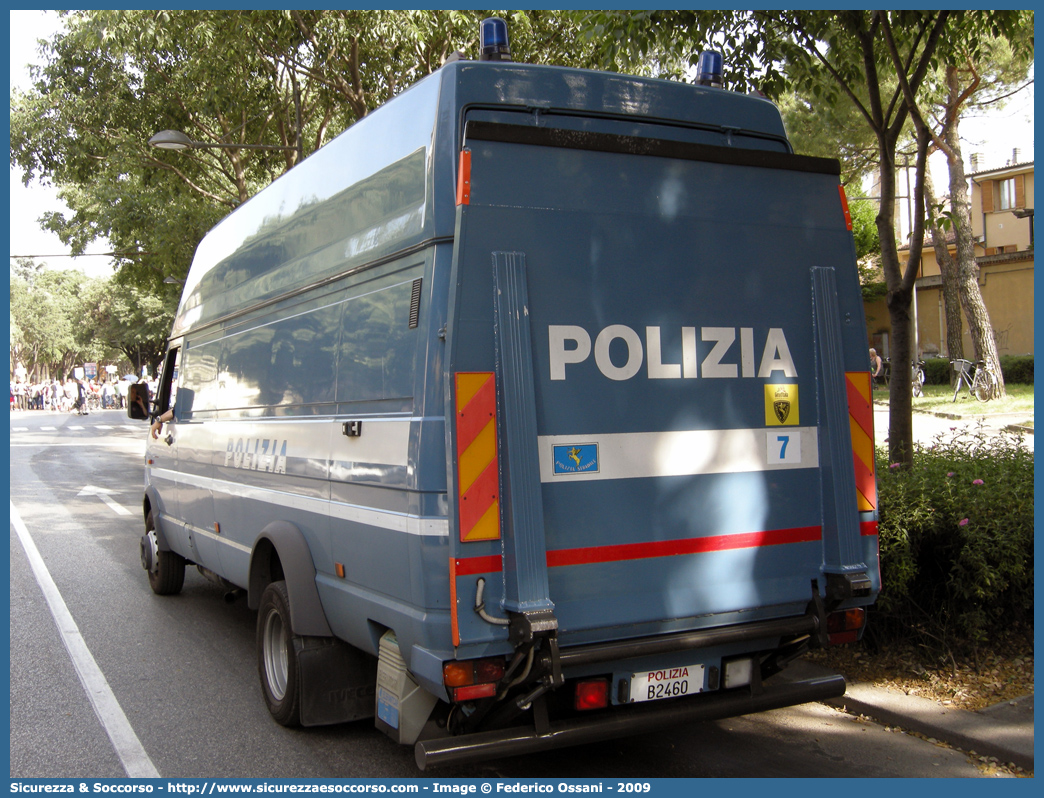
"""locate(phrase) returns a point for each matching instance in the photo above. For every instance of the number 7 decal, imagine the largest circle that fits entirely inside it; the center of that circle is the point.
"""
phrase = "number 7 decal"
(784, 448)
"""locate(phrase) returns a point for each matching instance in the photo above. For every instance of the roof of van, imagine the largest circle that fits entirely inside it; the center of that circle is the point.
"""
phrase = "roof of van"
(387, 183)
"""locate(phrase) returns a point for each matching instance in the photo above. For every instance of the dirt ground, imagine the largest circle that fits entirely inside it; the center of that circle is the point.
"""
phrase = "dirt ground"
(1002, 674)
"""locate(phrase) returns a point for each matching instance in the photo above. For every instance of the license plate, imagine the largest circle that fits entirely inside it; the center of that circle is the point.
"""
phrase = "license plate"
(667, 683)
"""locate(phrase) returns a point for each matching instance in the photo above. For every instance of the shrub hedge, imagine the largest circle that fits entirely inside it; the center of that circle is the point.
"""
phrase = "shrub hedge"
(1016, 369)
(956, 542)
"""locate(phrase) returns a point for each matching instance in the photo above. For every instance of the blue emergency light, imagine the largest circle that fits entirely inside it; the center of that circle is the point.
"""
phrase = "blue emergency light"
(709, 69)
(493, 40)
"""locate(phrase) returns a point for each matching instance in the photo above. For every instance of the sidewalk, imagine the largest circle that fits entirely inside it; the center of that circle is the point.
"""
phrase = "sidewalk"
(1004, 731)
(929, 426)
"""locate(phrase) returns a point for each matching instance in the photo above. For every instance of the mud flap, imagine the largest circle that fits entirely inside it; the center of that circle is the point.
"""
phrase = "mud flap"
(338, 681)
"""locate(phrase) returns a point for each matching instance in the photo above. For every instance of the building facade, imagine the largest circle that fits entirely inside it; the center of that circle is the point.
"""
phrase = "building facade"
(1002, 223)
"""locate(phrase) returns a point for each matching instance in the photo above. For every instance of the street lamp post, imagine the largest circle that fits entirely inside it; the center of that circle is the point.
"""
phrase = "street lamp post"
(176, 140)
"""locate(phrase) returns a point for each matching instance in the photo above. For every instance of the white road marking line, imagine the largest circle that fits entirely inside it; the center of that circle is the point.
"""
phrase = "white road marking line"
(103, 494)
(128, 747)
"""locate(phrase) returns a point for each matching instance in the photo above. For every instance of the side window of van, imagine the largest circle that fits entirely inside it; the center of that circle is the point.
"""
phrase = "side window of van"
(166, 391)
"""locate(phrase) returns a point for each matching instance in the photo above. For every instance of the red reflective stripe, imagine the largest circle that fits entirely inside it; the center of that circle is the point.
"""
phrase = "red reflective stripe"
(464, 179)
(672, 548)
(844, 207)
(469, 566)
(866, 482)
(476, 414)
(663, 548)
(861, 414)
(476, 500)
(868, 528)
(859, 408)
(454, 623)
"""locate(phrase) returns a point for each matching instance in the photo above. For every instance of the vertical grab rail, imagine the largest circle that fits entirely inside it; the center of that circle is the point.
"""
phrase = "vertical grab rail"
(842, 553)
(525, 551)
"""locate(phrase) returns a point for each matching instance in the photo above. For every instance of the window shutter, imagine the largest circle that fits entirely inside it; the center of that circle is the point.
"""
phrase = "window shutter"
(987, 196)
(1020, 191)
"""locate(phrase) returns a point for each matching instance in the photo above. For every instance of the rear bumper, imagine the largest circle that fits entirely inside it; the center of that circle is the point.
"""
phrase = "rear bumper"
(623, 722)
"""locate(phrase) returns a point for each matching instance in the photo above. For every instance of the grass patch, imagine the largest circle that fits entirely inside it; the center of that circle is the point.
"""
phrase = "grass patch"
(939, 399)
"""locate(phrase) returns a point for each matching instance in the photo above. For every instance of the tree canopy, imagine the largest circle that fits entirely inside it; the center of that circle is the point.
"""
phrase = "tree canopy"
(290, 79)
(61, 319)
(880, 64)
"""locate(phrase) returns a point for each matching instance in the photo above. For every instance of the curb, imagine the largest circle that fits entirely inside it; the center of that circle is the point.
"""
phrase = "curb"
(1004, 731)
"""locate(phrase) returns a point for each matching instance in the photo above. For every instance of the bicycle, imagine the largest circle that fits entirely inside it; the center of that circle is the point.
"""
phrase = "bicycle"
(981, 383)
(917, 378)
(916, 375)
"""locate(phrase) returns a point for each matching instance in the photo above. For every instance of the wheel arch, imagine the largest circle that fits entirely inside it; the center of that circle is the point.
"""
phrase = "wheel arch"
(281, 552)
(150, 502)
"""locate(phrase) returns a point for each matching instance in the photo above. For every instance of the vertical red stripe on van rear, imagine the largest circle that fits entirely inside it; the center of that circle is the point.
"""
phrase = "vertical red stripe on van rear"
(844, 206)
(464, 179)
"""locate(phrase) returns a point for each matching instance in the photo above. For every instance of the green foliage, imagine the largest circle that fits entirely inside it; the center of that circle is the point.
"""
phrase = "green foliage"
(45, 312)
(864, 225)
(956, 542)
(937, 371)
(113, 78)
(62, 318)
(1017, 369)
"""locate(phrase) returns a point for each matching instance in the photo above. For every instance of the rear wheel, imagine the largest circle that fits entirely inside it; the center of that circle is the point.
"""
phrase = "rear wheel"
(277, 656)
(166, 569)
(983, 386)
(918, 381)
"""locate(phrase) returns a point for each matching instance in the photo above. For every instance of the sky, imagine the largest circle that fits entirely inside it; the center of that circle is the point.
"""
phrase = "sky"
(29, 204)
(995, 136)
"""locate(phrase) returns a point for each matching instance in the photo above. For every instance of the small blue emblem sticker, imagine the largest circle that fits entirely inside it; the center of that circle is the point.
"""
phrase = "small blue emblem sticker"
(576, 458)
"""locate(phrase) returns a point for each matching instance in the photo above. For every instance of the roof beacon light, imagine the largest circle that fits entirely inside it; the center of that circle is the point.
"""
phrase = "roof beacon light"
(709, 69)
(493, 40)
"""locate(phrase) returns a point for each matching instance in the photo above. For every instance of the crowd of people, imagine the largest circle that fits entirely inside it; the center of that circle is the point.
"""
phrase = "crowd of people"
(71, 395)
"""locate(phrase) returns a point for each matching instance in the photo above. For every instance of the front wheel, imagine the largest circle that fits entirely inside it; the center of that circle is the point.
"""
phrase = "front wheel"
(277, 656)
(166, 569)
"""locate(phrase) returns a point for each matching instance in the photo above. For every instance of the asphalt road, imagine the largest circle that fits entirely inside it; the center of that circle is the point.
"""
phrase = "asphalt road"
(181, 671)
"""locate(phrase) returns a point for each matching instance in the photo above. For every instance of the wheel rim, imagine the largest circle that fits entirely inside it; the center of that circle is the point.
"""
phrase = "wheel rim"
(276, 665)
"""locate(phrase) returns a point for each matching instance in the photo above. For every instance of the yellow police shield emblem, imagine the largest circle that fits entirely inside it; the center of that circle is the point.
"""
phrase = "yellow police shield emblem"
(781, 406)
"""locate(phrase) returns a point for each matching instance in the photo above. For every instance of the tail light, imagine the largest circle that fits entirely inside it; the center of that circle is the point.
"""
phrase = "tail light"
(472, 678)
(591, 694)
(844, 626)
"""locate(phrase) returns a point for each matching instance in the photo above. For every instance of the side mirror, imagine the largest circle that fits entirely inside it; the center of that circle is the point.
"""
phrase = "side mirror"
(138, 401)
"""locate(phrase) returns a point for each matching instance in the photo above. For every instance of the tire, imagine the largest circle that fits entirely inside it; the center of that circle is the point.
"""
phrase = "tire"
(167, 574)
(277, 656)
(982, 385)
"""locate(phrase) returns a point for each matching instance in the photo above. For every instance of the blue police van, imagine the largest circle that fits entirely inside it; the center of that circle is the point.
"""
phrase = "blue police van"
(532, 410)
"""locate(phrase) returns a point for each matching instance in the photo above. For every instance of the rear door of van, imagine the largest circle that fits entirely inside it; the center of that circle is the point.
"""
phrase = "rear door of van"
(667, 288)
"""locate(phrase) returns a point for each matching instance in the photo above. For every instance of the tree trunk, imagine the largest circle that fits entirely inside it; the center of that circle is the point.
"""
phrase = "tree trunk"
(979, 326)
(898, 300)
(948, 270)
